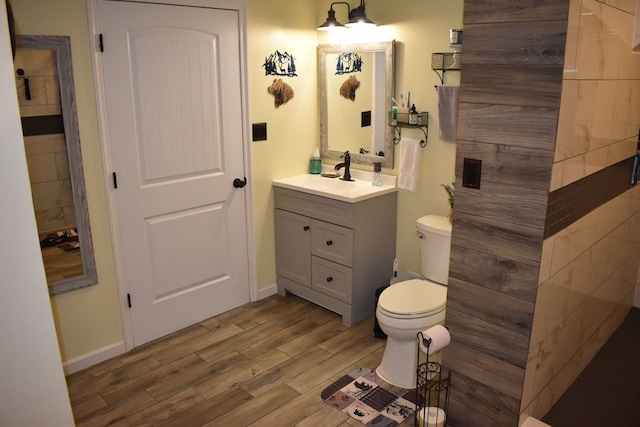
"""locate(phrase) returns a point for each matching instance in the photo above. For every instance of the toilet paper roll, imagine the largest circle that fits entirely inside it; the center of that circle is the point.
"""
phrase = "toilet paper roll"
(431, 417)
(434, 339)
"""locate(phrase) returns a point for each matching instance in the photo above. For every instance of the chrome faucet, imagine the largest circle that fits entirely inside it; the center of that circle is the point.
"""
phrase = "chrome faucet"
(346, 165)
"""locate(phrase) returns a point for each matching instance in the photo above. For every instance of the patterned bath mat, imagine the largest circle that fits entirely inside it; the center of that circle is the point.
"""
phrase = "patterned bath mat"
(358, 395)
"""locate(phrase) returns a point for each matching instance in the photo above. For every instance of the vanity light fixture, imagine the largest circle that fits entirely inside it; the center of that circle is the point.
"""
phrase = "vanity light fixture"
(357, 18)
(331, 21)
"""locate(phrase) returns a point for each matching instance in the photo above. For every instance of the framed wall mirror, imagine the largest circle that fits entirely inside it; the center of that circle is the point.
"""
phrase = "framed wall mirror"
(356, 83)
(52, 143)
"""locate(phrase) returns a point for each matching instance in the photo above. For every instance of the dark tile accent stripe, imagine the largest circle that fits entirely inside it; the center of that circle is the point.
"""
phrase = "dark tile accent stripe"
(570, 203)
(42, 125)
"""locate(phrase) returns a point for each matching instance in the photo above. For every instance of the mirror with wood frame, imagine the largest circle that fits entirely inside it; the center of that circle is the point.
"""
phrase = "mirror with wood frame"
(356, 83)
(46, 94)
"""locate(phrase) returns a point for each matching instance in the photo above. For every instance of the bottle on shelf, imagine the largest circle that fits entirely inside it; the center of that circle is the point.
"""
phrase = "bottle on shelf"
(413, 115)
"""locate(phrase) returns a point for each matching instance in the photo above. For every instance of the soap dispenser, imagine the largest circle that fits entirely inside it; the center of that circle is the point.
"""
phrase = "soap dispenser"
(315, 164)
(376, 178)
(413, 115)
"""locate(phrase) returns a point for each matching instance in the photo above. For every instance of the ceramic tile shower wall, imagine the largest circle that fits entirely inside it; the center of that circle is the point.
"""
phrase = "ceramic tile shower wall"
(589, 270)
(46, 154)
(600, 108)
(588, 276)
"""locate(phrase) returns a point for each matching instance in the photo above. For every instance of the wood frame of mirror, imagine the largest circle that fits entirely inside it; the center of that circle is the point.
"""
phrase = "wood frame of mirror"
(389, 53)
(61, 45)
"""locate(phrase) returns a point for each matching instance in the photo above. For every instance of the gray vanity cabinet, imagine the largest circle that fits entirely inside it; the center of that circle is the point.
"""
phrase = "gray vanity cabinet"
(335, 253)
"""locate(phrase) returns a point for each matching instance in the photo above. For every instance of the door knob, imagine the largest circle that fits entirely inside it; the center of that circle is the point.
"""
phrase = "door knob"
(239, 183)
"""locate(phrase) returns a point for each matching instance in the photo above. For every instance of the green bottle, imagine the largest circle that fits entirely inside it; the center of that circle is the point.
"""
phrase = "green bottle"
(315, 164)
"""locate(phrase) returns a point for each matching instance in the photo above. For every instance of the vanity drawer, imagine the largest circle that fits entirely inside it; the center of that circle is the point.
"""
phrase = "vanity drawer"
(313, 206)
(332, 242)
(331, 279)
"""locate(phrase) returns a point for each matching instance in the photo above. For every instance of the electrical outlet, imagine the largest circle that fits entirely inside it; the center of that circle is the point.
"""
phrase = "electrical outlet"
(259, 131)
(365, 119)
(471, 173)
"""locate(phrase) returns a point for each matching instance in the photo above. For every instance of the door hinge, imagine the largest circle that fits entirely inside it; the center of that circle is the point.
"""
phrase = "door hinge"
(129, 300)
(115, 180)
(100, 42)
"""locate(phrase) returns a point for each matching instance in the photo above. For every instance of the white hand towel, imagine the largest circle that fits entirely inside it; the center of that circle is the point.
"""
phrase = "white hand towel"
(447, 112)
(409, 164)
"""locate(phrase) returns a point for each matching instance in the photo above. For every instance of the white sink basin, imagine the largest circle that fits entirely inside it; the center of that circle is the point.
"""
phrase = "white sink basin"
(337, 189)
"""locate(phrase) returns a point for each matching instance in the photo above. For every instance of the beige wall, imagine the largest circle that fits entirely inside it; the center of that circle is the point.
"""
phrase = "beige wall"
(291, 128)
(588, 271)
(88, 320)
(34, 391)
(419, 28)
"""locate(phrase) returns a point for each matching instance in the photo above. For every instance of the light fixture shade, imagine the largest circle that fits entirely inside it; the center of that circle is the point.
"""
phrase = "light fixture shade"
(331, 22)
(358, 18)
(361, 22)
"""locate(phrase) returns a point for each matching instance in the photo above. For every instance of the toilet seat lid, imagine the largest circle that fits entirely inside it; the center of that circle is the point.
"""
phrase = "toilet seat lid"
(413, 297)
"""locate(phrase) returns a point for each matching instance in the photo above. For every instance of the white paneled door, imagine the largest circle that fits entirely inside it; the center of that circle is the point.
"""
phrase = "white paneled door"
(172, 90)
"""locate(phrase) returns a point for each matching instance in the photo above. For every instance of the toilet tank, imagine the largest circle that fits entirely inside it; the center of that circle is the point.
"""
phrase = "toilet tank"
(435, 247)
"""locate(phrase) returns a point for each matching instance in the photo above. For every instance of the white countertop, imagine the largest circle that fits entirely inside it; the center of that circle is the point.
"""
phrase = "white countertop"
(337, 189)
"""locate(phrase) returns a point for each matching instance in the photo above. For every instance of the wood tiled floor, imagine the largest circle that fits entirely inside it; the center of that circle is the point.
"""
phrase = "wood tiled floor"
(262, 364)
(61, 265)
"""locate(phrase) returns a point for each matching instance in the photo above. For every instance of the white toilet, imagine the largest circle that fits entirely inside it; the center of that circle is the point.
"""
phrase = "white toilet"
(411, 306)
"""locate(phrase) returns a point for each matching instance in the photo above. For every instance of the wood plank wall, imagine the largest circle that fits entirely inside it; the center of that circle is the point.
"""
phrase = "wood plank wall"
(512, 66)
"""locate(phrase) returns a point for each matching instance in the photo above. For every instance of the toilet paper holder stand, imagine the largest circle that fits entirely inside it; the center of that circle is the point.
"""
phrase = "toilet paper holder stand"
(432, 389)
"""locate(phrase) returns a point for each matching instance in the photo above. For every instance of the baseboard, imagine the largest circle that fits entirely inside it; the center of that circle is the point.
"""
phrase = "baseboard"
(93, 358)
(113, 350)
(267, 292)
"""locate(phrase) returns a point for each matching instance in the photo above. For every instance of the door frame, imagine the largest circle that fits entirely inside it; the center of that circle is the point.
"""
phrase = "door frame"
(92, 12)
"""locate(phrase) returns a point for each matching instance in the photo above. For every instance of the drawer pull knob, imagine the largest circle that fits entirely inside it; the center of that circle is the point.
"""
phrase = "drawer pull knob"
(329, 279)
(329, 242)
(305, 228)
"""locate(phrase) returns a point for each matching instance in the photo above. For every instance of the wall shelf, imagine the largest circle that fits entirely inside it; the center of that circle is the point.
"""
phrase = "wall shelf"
(403, 122)
(441, 62)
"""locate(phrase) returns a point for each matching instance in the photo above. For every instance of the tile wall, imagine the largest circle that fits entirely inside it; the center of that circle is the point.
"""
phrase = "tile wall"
(511, 82)
(44, 140)
(589, 269)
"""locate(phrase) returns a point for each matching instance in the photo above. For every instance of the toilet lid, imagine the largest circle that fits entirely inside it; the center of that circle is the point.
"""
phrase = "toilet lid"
(413, 297)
